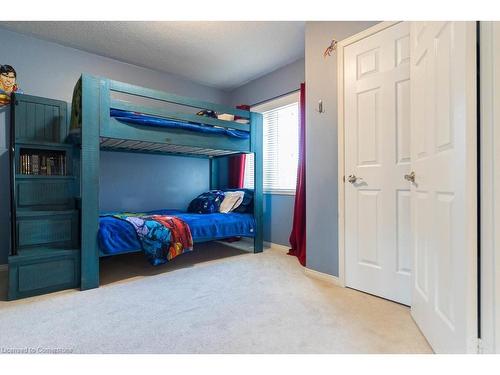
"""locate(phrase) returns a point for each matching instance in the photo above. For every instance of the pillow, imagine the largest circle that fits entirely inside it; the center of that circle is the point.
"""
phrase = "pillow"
(247, 205)
(207, 203)
(232, 200)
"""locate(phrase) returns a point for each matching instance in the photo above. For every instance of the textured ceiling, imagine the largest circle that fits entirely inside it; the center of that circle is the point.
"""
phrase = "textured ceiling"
(219, 54)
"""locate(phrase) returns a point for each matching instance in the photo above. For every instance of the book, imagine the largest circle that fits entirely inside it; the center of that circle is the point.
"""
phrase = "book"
(35, 164)
(43, 167)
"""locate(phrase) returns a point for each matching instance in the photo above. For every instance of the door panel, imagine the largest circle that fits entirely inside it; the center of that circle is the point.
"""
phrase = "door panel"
(368, 214)
(368, 63)
(420, 230)
(443, 157)
(368, 124)
(403, 120)
(378, 151)
(403, 233)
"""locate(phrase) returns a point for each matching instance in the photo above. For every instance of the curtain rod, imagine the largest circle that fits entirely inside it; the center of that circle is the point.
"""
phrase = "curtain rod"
(275, 97)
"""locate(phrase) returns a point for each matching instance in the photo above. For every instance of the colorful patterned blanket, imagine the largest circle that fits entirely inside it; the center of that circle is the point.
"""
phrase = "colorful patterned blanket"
(162, 237)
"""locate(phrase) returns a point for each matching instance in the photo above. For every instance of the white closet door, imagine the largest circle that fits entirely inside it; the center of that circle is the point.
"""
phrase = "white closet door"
(444, 207)
(377, 153)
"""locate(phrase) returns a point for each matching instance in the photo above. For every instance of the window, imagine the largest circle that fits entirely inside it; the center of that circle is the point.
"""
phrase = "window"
(281, 145)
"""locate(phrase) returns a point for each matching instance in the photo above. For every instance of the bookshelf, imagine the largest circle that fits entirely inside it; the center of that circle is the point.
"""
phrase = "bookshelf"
(45, 238)
(39, 162)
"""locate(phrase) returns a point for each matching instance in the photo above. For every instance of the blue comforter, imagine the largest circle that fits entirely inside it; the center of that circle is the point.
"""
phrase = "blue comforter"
(119, 236)
(142, 119)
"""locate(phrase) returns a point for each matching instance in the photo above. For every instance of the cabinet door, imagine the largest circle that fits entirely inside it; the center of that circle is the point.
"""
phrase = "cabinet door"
(39, 119)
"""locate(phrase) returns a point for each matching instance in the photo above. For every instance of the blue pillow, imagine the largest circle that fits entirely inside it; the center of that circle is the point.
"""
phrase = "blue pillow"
(247, 205)
(207, 203)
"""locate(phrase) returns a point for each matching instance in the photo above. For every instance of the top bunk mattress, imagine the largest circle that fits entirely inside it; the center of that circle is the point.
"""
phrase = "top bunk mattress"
(148, 120)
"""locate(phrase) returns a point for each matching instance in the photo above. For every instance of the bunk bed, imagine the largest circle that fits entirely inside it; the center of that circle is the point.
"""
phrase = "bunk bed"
(102, 120)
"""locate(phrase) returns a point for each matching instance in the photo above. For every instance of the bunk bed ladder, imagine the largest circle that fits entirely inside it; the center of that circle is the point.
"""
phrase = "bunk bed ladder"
(45, 249)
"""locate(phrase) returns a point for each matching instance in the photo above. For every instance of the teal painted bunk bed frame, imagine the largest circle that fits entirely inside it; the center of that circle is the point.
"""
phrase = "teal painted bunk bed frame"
(93, 99)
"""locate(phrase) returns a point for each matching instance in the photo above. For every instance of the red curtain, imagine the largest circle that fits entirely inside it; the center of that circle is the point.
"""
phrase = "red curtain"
(236, 174)
(236, 165)
(298, 235)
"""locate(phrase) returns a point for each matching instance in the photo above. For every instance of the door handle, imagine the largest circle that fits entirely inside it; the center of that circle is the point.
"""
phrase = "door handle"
(410, 177)
(353, 179)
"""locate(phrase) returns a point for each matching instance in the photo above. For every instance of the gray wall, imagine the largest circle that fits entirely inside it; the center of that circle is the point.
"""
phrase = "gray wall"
(50, 70)
(321, 143)
(277, 83)
(278, 209)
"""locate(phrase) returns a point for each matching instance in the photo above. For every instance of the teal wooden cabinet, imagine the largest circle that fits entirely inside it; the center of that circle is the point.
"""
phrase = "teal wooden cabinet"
(58, 229)
(45, 255)
(40, 119)
(44, 193)
(43, 270)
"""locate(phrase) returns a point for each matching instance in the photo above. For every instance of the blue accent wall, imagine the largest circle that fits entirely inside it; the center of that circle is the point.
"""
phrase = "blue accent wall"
(51, 70)
(278, 218)
(139, 182)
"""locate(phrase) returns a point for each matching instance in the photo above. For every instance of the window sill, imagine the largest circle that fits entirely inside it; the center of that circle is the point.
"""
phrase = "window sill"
(280, 192)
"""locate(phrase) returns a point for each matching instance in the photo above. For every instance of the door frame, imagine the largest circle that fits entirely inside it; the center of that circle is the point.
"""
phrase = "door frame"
(489, 81)
(341, 133)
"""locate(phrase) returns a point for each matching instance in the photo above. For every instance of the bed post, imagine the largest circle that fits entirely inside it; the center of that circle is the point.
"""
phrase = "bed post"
(91, 95)
(257, 148)
(214, 173)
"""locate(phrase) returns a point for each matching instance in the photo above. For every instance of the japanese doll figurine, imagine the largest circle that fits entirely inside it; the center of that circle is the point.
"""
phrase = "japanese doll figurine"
(8, 84)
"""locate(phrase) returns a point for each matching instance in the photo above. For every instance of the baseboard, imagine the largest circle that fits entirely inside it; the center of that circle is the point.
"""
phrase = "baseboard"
(249, 241)
(4, 267)
(276, 246)
(334, 280)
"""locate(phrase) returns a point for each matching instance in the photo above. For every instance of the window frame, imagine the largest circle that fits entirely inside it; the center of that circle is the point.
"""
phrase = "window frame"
(271, 104)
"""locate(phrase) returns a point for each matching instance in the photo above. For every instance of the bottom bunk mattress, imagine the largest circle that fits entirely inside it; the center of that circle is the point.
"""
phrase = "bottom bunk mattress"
(117, 235)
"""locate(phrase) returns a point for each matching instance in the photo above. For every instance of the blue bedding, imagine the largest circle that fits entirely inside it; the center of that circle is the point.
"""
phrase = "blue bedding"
(119, 236)
(142, 119)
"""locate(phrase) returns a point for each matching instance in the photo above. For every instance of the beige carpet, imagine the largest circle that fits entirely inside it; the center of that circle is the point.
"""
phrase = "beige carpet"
(214, 300)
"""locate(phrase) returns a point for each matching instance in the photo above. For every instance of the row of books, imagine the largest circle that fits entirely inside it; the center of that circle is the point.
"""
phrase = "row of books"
(43, 164)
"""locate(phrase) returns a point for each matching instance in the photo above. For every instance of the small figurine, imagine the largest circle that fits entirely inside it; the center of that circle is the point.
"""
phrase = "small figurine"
(8, 84)
(207, 113)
